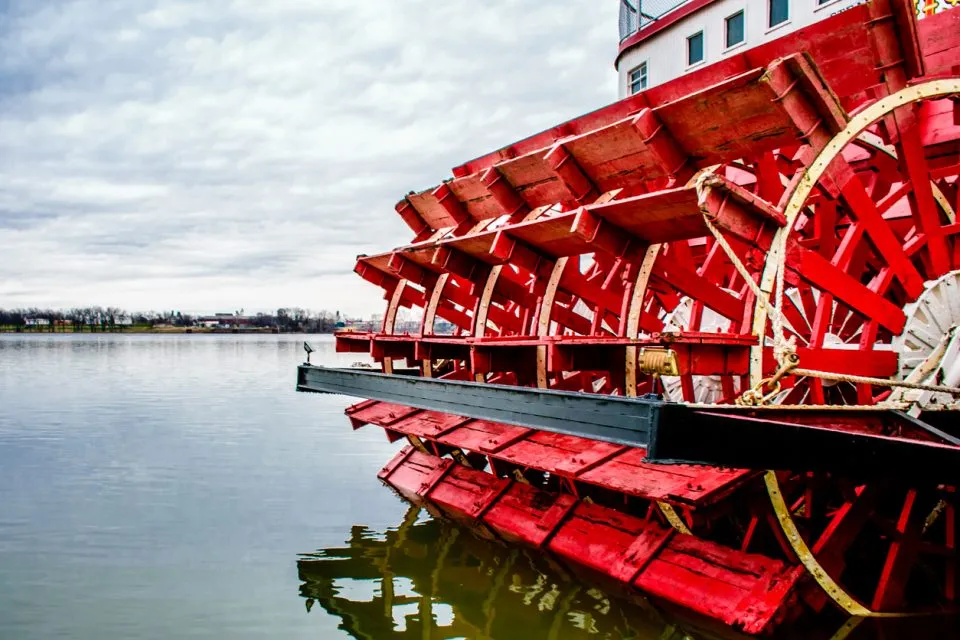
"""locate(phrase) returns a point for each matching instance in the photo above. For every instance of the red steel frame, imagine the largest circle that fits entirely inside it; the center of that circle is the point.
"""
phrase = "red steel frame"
(559, 258)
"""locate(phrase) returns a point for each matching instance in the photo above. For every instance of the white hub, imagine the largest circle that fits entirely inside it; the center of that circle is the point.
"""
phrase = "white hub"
(929, 347)
(929, 319)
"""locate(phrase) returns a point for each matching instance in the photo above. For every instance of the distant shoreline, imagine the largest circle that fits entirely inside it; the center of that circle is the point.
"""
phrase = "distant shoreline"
(140, 330)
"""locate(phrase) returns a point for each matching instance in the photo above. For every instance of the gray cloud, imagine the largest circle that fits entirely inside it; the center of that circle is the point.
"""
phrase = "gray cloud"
(199, 155)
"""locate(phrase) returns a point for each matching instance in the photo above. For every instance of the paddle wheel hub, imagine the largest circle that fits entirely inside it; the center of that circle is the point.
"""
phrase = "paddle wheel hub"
(704, 339)
(928, 338)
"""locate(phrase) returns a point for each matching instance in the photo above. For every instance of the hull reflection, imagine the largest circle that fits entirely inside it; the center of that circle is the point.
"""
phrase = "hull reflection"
(430, 578)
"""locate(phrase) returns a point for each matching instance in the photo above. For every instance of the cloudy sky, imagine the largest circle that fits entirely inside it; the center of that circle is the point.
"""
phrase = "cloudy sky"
(207, 155)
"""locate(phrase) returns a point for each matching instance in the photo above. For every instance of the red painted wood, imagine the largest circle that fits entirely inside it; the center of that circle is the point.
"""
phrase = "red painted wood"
(484, 436)
(489, 497)
(813, 268)
(429, 424)
(939, 37)
(925, 208)
(429, 482)
(411, 216)
(396, 462)
(521, 514)
(601, 464)
(383, 414)
(688, 571)
(735, 118)
(662, 216)
(687, 484)
(699, 288)
(641, 551)
(742, 590)
(569, 172)
(352, 342)
(674, 161)
(862, 206)
(503, 193)
(879, 364)
(841, 47)
(903, 551)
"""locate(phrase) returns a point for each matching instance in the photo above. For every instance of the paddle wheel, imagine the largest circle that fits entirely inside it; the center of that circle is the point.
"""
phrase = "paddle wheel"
(759, 263)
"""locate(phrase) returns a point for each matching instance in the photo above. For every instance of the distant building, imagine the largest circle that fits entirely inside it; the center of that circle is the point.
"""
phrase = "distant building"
(37, 322)
(443, 328)
(357, 324)
(225, 321)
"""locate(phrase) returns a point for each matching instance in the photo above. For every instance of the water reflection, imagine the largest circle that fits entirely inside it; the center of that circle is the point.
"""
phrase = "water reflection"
(429, 578)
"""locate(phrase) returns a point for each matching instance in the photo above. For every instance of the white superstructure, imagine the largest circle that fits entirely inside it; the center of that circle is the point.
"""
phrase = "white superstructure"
(663, 39)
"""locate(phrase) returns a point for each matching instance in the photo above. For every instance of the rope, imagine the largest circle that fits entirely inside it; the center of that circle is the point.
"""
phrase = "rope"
(781, 345)
(881, 382)
(880, 406)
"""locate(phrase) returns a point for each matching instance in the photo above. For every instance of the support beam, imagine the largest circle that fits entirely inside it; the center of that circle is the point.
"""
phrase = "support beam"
(847, 442)
(608, 418)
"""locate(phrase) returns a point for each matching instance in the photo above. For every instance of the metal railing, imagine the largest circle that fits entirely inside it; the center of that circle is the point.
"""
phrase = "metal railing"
(635, 14)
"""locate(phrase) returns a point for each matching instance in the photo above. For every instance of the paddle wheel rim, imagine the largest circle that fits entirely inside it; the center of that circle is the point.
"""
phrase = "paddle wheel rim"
(795, 204)
(809, 179)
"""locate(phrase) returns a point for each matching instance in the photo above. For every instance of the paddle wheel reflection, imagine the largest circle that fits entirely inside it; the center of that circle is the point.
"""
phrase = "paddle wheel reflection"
(432, 578)
(429, 578)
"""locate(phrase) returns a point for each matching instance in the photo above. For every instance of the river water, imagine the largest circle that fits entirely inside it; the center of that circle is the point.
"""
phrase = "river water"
(176, 486)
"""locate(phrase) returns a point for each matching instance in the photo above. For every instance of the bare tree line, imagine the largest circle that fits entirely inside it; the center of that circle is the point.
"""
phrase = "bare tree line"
(112, 319)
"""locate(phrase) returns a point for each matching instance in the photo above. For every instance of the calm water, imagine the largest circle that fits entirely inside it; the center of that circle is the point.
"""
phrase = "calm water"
(178, 487)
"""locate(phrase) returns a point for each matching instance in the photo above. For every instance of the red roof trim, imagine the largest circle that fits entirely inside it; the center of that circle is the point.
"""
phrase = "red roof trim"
(660, 24)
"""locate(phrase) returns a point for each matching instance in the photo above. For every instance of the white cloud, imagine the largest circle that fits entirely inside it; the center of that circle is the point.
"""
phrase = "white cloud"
(207, 155)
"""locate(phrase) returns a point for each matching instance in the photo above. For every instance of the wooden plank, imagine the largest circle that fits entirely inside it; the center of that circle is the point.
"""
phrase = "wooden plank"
(429, 424)
(598, 537)
(484, 436)
(940, 41)
(718, 113)
(383, 414)
(615, 156)
(641, 551)
(352, 342)
(555, 453)
(475, 196)
(731, 587)
(879, 364)
(602, 464)
(663, 216)
(535, 181)
(554, 236)
(691, 485)
(519, 515)
(690, 283)
(733, 119)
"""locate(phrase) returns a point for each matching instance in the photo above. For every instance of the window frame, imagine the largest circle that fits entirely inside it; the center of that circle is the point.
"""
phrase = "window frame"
(743, 29)
(644, 78)
(786, 19)
(703, 48)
